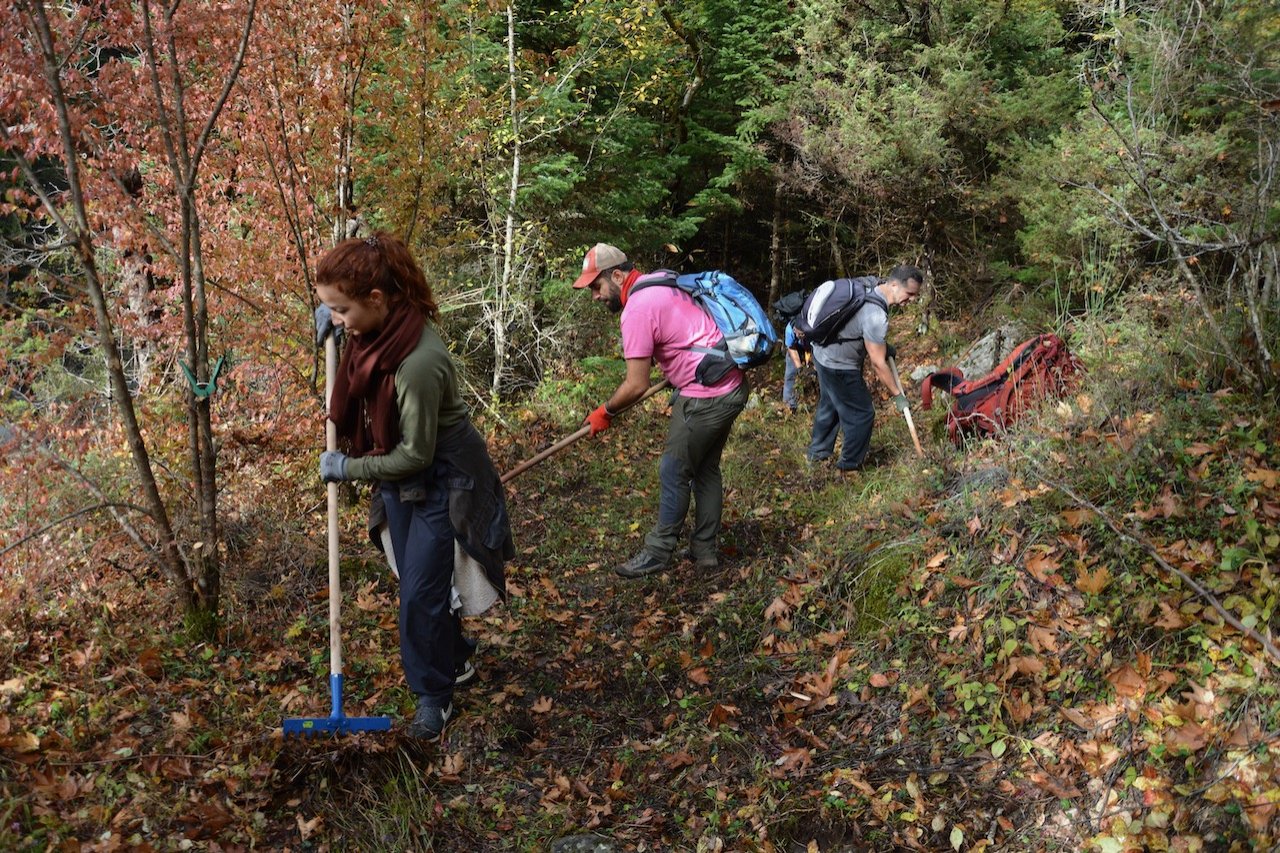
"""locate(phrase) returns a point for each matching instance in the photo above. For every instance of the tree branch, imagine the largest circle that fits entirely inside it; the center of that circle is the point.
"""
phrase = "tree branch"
(694, 44)
(130, 530)
(1168, 235)
(1142, 543)
(162, 113)
(76, 514)
(233, 75)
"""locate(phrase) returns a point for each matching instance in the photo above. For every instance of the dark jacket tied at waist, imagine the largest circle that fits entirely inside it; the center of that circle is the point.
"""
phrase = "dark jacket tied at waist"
(477, 503)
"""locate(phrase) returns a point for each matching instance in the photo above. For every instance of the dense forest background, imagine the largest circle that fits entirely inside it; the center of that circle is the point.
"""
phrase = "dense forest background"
(171, 173)
(174, 172)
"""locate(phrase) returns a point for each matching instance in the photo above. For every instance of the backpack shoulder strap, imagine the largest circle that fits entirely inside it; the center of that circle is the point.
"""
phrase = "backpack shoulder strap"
(873, 295)
(926, 392)
(944, 380)
(665, 278)
(868, 286)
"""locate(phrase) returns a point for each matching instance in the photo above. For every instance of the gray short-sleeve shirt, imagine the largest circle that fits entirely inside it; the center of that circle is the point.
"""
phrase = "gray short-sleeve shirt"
(871, 323)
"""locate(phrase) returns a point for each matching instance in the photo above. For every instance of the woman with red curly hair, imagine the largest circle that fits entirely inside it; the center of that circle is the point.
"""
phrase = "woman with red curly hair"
(438, 501)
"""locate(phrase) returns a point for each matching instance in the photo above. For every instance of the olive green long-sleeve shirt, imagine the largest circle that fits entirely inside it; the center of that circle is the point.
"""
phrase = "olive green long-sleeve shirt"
(427, 399)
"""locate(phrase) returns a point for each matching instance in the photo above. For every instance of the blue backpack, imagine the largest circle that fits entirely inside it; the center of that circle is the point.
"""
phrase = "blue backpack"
(749, 338)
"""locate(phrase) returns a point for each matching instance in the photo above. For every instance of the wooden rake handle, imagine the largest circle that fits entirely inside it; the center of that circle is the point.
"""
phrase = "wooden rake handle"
(906, 413)
(571, 438)
(335, 582)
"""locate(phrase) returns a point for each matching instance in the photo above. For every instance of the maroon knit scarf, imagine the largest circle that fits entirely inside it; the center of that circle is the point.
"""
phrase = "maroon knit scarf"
(363, 405)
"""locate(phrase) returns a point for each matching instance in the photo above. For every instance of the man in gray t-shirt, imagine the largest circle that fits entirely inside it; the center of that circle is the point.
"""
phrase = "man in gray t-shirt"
(844, 403)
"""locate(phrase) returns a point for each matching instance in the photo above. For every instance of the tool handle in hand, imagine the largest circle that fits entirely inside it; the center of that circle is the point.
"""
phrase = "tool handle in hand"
(331, 443)
(581, 433)
(906, 413)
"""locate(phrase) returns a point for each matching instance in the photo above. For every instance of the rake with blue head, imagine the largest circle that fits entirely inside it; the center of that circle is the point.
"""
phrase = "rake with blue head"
(337, 723)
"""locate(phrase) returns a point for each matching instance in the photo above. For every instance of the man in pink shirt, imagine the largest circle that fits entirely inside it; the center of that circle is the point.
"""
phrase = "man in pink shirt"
(665, 325)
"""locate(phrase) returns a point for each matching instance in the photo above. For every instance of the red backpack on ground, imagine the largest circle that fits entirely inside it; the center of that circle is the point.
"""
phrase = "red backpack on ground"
(1039, 368)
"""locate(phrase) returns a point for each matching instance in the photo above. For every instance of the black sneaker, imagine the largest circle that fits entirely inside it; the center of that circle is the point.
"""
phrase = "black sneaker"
(465, 674)
(429, 721)
(640, 565)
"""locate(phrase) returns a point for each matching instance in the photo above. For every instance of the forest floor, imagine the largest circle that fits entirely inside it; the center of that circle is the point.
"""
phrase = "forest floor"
(990, 650)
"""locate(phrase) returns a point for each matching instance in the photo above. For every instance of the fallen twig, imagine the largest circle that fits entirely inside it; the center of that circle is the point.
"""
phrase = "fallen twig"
(1142, 543)
(68, 517)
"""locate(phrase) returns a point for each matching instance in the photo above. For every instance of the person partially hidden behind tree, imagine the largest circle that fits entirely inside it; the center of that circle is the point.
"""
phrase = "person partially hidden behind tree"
(400, 416)
(665, 325)
(844, 403)
(796, 353)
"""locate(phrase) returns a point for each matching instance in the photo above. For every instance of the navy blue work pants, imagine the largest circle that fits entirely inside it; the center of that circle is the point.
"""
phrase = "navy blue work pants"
(789, 381)
(844, 405)
(431, 642)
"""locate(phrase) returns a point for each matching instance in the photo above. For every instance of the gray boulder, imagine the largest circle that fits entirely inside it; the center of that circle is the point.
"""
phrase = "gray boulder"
(987, 352)
(922, 371)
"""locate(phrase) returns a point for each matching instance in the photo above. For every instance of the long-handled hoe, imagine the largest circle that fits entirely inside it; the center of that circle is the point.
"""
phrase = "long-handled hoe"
(337, 723)
(570, 439)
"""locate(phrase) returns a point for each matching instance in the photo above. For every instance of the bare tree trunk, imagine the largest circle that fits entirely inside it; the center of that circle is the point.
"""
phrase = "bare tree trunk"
(775, 244)
(694, 43)
(506, 278)
(1252, 286)
(837, 254)
(209, 579)
(80, 234)
(184, 158)
(927, 298)
(136, 284)
(345, 221)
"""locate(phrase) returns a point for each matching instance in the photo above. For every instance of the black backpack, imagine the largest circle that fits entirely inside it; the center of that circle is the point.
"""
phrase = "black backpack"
(831, 306)
(788, 307)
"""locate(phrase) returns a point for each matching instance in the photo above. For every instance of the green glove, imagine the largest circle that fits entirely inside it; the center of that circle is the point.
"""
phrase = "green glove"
(900, 402)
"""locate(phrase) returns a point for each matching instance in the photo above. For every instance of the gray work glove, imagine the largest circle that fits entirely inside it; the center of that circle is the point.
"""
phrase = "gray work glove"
(900, 402)
(325, 325)
(333, 466)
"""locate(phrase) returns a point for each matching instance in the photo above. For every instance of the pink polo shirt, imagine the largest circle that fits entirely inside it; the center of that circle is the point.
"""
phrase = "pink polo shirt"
(661, 323)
